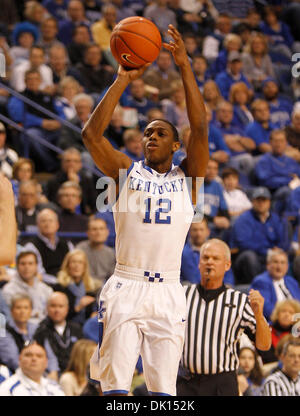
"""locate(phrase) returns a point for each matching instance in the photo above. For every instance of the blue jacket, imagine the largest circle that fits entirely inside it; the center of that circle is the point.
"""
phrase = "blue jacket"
(283, 36)
(224, 81)
(232, 129)
(249, 233)
(240, 118)
(293, 203)
(281, 112)
(215, 140)
(189, 267)
(264, 284)
(275, 171)
(259, 134)
(214, 200)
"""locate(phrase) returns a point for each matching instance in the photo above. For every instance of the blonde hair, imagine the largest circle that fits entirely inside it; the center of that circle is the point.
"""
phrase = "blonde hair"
(226, 249)
(261, 37)
(232, 37)
(66, 81)
(279, 305)
(64, 277)
(80, 356)
(238, 86)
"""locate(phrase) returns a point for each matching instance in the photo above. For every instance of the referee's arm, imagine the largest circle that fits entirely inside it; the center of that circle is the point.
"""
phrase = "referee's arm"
(263, 334)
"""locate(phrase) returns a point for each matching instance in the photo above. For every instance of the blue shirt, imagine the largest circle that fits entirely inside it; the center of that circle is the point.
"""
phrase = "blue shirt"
(276, 171)
(214, 198)
(224, 80)
(232, 129)
(282, 36)
(249, 233)
(215, 140)
(281, 112)
(259, 134)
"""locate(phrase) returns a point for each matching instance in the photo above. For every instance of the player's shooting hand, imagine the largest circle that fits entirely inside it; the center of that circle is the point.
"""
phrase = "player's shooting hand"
(131, 74)
(256, 301)
(176, 47)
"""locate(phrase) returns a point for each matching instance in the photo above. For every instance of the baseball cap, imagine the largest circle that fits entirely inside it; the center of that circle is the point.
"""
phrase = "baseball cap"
(2, 127)
(261, 192)
(234, 56)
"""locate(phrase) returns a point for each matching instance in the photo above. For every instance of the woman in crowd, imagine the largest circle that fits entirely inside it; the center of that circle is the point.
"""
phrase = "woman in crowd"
(68, 88)
(251, 368)
(240, 96)
(212, 96)
(75, 280)
(74, 378)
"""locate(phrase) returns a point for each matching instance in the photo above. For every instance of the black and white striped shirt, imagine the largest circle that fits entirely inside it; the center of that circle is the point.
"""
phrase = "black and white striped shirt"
(279, 384)
(216, 320)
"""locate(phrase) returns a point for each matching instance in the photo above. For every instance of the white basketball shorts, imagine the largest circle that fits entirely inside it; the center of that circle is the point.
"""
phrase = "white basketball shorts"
(140, 317)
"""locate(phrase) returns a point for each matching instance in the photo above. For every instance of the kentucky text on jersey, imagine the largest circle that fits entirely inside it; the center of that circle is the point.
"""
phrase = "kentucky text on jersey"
(137, 184)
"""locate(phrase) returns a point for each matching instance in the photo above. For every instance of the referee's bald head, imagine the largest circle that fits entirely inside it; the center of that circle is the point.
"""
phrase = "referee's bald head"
(221, 243)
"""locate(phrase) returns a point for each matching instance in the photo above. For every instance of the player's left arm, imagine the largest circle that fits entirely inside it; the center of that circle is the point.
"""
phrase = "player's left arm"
(198, 151)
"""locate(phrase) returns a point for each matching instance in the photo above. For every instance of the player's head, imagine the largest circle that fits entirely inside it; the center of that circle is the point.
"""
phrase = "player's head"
(160, 141)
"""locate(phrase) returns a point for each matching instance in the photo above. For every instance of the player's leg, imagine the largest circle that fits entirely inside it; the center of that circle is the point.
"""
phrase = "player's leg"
(163, 341)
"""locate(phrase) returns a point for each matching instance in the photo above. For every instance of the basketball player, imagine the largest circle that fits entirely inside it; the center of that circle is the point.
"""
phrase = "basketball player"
(142, 306)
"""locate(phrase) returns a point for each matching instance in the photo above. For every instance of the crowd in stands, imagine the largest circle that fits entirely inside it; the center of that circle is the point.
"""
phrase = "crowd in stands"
(58, 66)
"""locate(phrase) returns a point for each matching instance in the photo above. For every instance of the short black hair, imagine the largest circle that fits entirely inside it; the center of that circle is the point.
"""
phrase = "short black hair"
(174, 130)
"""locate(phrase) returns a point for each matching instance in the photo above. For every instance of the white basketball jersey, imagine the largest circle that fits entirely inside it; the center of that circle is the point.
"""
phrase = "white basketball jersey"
(152, 217)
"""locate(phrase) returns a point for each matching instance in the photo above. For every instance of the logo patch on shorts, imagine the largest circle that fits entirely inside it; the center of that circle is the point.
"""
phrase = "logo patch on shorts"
(118, 285)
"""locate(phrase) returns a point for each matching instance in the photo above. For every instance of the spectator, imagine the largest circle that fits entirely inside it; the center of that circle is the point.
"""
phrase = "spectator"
(75, 17)
(92, 10)
(285, 381)
(211, 95)
(282, 321)
(174, 109)
(74, 379)
(277, 171)
(238, 143)
(212, 43)
(161, 76)
(236, 200)
(49, 248)
(49, 31)
(69, 197)
(275, 284)
(36, 123)
(209, 366)
(159, 13)
(280, 108)
(278, 33)
(257, 64)
(34, 13)
(240, 96)
(102, 30)
(19, 332)
(28, 206)
(116, 129)
(260, 129)
(191, 44)
(293, 135)
(71, 170)
(253, 20)
(24, 36)
(232, 42)
(26, 281)
(57, 334)
(215, 207)
(83, 104)
(28, 379)
(253, 234)
(75, 281)
(201, 71)
(137, 98)
(133, 144)
(250, 368)
(7, 156)
(218, 150)
(57, 8)
(124, 9)
(232, 74)
(67, 89)
(80, 39)
(58, 62)
(95, 76)
(199, 233)
(36, 61)
(101, 258)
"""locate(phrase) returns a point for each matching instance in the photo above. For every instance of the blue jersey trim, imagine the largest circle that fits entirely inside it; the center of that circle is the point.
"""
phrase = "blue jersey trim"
(158, 394)
(115, 391)
(147, 167)
(14, 386)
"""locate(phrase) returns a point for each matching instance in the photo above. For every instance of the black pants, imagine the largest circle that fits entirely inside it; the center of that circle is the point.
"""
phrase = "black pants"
(223, 384)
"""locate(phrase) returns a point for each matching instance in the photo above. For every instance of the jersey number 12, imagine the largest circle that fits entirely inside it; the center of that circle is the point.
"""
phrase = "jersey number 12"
(164, 206)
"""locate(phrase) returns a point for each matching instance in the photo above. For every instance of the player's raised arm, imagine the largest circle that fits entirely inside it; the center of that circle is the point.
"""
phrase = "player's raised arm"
(197, 151)
(108, 159)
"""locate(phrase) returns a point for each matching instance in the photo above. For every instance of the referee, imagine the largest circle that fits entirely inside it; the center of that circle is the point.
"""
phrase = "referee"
(216, 318)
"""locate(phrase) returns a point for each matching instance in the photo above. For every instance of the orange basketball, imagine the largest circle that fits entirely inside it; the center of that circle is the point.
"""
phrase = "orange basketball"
(135, 41)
